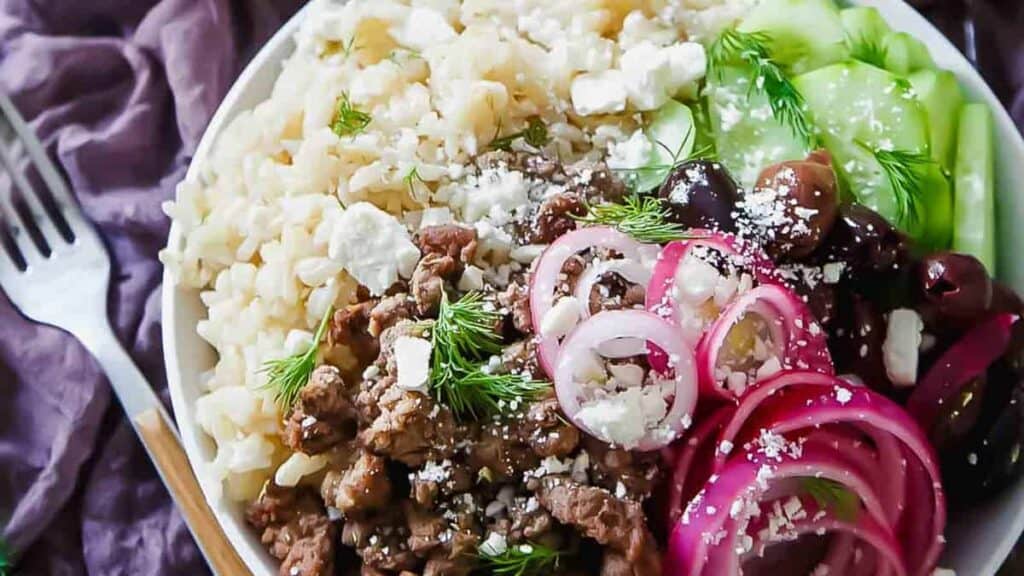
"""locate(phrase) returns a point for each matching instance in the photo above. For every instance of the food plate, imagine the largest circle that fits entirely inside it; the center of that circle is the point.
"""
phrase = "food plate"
(978, 543)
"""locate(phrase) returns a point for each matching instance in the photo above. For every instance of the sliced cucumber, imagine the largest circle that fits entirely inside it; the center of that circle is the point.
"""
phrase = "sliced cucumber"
(974, 228)
(806, 34)
(940, 94)
(866, 31)
(747, 136)
(905, 54)
(856, 105)
(672, 131)
(934, 230)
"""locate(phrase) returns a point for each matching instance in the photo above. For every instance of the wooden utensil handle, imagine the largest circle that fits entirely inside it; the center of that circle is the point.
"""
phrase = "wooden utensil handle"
(166, 451)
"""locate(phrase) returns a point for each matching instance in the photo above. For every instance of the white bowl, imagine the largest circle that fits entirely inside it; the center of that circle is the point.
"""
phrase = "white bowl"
(978, 544)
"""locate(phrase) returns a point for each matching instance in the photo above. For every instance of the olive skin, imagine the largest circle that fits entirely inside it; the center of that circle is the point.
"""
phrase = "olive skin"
(957, 285)
(807, 194)
(701, 194)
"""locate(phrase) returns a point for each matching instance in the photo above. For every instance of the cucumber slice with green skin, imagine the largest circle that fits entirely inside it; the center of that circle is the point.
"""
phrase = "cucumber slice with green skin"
(974, 229)
(866, 31)
(806, 34)
(905, 54)
(935, 204)
(940, 94)
(855, 105)
(747, 135)
(672, 132)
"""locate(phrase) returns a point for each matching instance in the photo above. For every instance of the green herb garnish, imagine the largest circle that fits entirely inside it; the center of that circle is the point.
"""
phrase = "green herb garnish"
(348, 48)
(832, 495)
(535, 134)
(642, 217)
(349, 120)
(6, 565)
(523, 560)
(287, 376)
(660, 172)
(868, 50)
(464, 336)
(766, 77)
(411, 179)
(906, 173)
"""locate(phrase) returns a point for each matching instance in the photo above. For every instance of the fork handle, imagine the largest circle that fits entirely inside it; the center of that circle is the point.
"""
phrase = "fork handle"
(160, 437)
(165, 449)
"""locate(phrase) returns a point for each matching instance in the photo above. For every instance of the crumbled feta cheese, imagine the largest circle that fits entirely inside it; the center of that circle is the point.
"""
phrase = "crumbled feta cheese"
(843, 395)
(695, 280)
(435, 217)
(528, 253)
(495, 545)
(943, 572)
(499, 194)
(599, 93)
(412, 357)
(631, 154)
(832, 272)
(422, 29)
(624, 418)
(627, 375)
(472, 279)
(902, 345)
(561, 319)
(653, 75)
(297, 342)
(373, 246)
(770, 367)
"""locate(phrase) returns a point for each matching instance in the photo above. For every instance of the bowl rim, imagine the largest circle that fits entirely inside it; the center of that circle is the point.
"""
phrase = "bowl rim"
(898, 14)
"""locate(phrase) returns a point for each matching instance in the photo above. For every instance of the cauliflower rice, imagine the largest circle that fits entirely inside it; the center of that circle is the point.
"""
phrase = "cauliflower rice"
(440, 79)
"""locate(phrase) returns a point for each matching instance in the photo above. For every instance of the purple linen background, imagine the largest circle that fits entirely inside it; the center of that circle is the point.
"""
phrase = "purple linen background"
(120, 91)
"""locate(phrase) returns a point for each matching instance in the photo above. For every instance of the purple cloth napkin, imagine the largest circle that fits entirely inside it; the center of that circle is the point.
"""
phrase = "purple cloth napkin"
(120, 91)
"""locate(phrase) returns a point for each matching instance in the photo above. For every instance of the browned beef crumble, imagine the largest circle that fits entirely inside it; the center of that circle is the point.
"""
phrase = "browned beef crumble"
(411, 489)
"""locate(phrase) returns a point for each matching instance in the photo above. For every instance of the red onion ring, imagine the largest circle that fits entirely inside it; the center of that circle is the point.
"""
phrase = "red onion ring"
(967, 359)
(796, 335)
(545, 277)
(614, 324)
(631, 270)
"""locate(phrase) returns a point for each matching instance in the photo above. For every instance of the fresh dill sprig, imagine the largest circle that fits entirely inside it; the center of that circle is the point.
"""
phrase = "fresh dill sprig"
(411, 179)
(868, 50)
(642, 217)
(535, 134)
(766, 77)
(659, 173)
(349, 120)
(348, 48)
(287, 376)
(523, 560)
(464, 336)
(408, 53)
(906, 173)
(832, 495)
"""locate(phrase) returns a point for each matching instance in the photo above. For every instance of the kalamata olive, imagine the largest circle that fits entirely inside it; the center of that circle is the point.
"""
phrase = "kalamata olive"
(864, 241)
(957, 285)
(855, 340)
(958, 418)
(800, 199)
(701, 194)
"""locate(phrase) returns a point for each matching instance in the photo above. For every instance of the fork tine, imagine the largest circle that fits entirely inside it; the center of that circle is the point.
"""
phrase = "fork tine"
(58, 189)
(16, 228)
(40, 217)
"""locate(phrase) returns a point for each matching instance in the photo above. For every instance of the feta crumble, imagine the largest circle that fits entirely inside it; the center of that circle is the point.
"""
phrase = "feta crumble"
(902, 345)
(412, 357)
(373, 246)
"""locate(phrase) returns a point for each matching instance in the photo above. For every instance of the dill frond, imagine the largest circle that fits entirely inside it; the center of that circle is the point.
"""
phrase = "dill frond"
(411, 179)
(906, 172)
(868, 50)
(535, 134)
(832, 495)
(349, 120)
(287, 376)
(464, 337)
(523, 560)
(766, 77)
(642, 217)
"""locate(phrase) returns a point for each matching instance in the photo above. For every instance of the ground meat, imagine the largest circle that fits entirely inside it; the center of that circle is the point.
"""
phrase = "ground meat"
(363, 486)
(521, 358)
(615, 564)
(529, 521)
(428, 281)
(381, 540)
(350, 328)
(386, 360)
(452, 240)
(597, 184)
(427, 487)
(410, 428)
(547, 432)
(615, 293)
(295, 529)
(555, 218)
(638, 472)
(323, 415)
(611, 521)
(516, 299)
(501, 451)
(390, 311)
(441, 565)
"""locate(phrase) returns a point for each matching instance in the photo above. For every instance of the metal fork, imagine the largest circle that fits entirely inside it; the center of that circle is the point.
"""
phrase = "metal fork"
(55, 269)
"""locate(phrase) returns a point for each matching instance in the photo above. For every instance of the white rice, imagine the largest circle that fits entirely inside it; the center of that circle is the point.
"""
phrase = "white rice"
(440, 78)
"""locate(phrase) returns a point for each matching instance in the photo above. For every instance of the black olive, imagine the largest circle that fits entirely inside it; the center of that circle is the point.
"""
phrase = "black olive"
(956, 419)
(957, 285)
(701, 194)
(807, 199)
(855, 340)
(865, 242)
